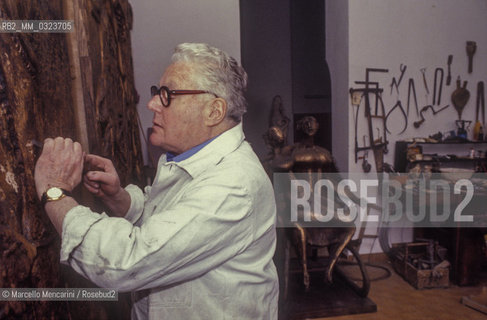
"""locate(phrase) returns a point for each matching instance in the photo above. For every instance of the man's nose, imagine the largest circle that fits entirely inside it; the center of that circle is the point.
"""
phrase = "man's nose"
(155, 104)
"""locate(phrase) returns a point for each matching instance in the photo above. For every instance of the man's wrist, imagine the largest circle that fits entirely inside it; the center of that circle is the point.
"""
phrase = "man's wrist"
(119, 203)
(57, 210)
(54, 194)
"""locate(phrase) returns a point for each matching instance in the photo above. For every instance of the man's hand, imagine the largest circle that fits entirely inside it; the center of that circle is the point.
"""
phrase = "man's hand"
(101, 179)
(59, 165)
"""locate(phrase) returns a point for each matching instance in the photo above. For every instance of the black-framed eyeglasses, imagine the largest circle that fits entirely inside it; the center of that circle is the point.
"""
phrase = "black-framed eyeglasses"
(165, 93)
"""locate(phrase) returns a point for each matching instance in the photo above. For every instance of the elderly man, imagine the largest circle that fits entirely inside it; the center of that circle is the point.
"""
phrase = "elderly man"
(198, 243)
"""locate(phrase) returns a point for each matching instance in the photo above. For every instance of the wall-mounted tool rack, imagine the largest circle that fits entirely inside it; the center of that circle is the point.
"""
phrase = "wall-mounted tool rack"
(378, 146)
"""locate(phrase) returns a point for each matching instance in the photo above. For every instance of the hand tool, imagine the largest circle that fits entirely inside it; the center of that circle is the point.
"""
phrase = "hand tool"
(379, 138)
(365, 164)
(448, 77)
(480, 105)
(438, 72)
(376, 91)
(417, 124)
(384, 146)
(412, 88)
(354, 91)
(395, 83)
(460, 97)
(423, 71)
(471, 48)
(398, 105)
(379, 148)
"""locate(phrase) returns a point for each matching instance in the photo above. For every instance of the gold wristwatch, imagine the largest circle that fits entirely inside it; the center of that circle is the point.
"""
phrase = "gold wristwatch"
(54, 194)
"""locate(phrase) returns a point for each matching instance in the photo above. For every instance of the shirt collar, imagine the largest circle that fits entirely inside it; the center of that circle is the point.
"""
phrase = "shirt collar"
(188, 153)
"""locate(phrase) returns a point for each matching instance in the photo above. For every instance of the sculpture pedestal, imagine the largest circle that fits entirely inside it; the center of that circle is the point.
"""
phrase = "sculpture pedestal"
(322, 300)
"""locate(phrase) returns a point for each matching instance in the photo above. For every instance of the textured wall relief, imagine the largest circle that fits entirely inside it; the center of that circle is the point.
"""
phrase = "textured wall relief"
(37, 102)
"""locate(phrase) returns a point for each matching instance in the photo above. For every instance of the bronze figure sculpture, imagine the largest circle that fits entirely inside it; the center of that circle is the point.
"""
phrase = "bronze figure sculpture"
(305, 157)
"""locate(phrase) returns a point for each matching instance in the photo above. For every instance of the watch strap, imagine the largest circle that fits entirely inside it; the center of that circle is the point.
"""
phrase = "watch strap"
(45, 199)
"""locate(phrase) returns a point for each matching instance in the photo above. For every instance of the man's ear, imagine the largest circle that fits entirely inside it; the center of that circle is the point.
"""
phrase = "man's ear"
(215, 111)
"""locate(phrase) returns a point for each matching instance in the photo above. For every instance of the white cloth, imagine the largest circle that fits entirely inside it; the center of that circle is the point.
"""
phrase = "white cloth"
(198, 244)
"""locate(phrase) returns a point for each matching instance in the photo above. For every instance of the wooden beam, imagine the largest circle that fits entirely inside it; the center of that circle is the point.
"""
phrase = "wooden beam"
(75, 51)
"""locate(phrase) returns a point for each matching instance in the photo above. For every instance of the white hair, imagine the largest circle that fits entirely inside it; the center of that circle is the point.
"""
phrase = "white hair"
(216, 72)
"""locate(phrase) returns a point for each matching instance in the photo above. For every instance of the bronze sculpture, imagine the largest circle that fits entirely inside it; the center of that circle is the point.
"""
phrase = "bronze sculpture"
(304, 157)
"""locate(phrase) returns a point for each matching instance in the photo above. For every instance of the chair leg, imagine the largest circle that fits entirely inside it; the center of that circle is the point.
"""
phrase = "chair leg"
(362, 290)
(287, 257)
(302, 253)
(335, 252)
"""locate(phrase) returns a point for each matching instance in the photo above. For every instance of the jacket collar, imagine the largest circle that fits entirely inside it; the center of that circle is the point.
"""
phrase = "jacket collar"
(212, 153)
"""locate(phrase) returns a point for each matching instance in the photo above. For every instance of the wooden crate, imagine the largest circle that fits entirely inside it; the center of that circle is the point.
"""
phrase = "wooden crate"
(420, 279)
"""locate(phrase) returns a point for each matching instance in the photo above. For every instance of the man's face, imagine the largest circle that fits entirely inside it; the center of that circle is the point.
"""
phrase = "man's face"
(180, 126)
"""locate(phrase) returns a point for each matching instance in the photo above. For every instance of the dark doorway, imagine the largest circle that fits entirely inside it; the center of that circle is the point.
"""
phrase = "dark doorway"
(284, 53)
(310, 75)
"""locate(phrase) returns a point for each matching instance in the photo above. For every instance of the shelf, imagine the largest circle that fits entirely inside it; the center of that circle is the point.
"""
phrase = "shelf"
(444, 160)
(402, 163)
(445, 142)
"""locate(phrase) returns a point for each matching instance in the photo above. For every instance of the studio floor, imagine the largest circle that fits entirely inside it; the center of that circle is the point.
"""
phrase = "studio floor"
(398, 300)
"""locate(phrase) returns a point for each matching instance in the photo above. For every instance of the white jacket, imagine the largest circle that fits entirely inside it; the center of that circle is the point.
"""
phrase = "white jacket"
(197, 244)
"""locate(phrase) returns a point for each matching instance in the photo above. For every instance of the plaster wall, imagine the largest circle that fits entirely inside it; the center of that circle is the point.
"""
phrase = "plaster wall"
(417, 34)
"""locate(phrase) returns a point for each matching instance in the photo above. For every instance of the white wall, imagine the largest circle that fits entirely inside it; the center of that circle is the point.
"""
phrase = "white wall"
(418, 34)
(384, 34)
(161, 25)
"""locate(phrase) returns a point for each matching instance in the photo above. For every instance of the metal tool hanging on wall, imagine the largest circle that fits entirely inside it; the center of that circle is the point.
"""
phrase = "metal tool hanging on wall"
(460, 97)
(399, 106)
(418, 123)
(354, 93)
(377, 94)
(471, 48)
(478, 132)
(378, 148)
(438, 86)
(412, 89)
(365, 163)
(395, 83)
(448, 77)
(425, 82)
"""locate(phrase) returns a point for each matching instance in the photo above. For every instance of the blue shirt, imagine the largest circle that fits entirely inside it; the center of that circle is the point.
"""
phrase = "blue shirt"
(188, 153)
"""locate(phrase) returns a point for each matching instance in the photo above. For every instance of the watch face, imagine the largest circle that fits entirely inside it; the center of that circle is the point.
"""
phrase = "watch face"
(54, 193)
